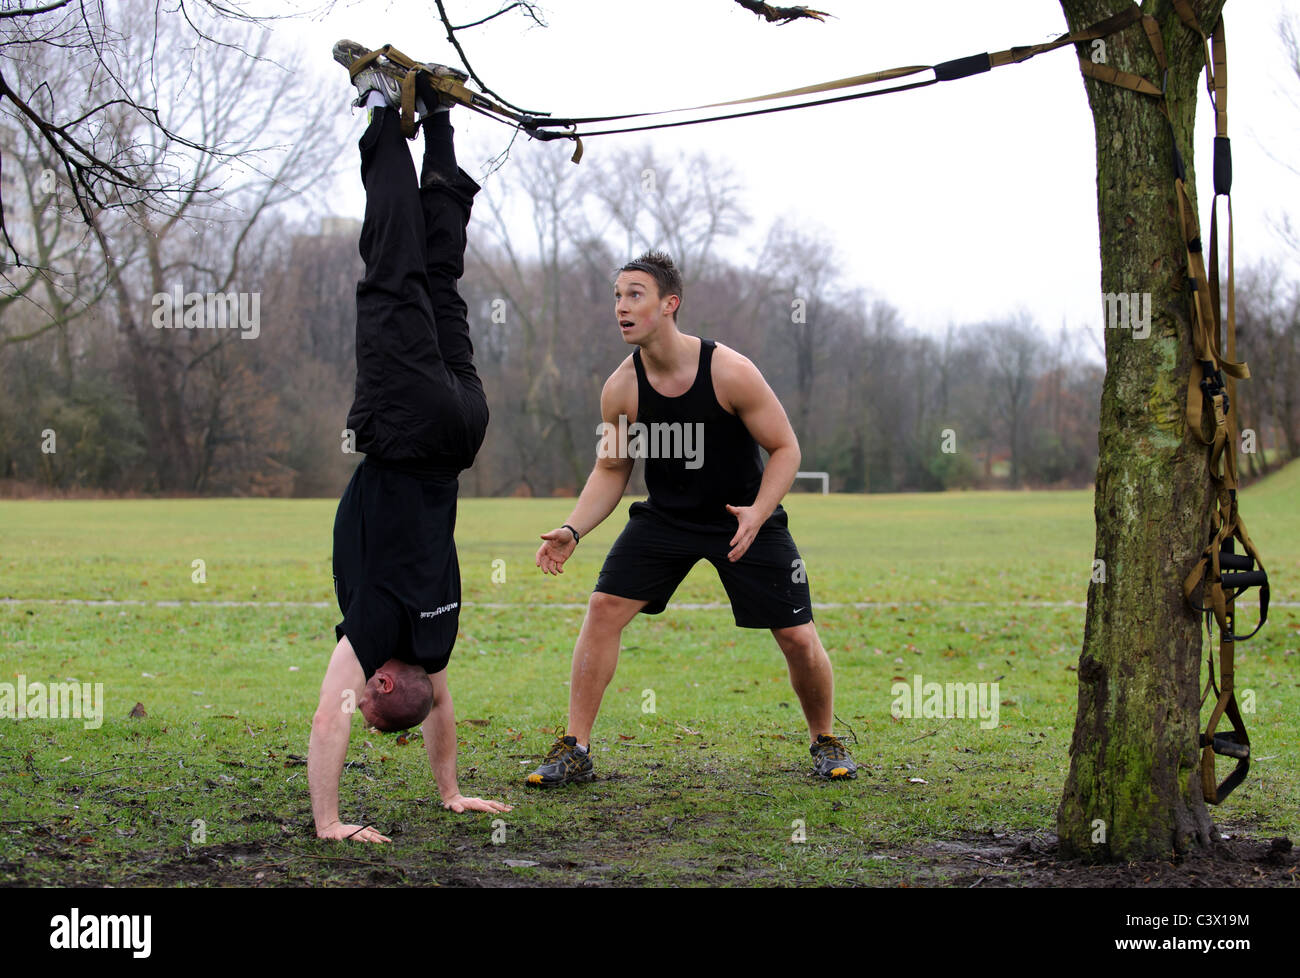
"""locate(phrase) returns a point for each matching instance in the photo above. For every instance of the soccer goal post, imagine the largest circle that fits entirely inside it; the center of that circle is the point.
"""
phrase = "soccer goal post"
(825, 478)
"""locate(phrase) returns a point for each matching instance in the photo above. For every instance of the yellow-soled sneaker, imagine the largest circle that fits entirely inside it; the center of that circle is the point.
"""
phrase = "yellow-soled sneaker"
(563, 764)
(831, 759)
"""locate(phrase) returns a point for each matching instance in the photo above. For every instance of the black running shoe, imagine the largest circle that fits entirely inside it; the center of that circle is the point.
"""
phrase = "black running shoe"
(563, 764)
(831, 759)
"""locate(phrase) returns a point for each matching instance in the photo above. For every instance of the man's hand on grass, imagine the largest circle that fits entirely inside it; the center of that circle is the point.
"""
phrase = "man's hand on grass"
(357, 833)
(459, 803)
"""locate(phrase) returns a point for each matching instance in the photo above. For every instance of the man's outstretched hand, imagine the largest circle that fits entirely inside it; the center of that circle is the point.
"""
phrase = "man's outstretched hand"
(357, 833)
(459, 803)
(557, 546)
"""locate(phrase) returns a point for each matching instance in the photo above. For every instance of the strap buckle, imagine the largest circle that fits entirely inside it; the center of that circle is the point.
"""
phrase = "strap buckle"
(1212, 384)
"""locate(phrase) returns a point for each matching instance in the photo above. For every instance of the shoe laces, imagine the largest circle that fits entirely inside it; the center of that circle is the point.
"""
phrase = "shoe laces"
(832, 748)
(558, 749)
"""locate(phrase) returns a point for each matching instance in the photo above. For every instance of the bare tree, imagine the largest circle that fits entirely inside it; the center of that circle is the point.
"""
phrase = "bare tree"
(76, 130)
(1019, 350)
(796, 272)
(231, 106)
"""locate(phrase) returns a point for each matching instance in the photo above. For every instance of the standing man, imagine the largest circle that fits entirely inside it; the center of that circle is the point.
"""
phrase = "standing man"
(715, 501)
(419, 414)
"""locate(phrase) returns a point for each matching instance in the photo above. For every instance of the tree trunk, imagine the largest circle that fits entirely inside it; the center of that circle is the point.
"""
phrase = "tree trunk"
(1133, 790)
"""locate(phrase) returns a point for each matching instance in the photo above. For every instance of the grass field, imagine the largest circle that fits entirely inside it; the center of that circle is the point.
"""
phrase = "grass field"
(713, 787)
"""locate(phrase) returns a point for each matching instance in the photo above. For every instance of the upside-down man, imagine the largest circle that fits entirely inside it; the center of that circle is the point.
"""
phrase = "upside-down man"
(419, 414)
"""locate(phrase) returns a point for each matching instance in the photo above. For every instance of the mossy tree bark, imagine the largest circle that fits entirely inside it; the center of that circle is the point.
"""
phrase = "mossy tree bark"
(1133, 790)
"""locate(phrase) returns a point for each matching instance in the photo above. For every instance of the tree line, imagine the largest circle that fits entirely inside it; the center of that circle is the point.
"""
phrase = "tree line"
(114, 376)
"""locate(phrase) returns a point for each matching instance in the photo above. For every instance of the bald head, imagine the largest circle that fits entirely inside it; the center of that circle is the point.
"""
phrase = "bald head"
(397, 697)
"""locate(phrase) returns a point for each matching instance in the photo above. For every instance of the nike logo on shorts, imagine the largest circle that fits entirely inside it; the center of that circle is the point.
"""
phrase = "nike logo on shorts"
(797, 610)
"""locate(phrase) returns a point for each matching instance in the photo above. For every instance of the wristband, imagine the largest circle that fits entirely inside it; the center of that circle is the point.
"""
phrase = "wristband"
(576, 538)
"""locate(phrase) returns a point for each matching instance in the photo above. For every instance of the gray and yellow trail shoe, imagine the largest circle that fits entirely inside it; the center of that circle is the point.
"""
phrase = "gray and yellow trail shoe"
(831, 759)
(563, 764)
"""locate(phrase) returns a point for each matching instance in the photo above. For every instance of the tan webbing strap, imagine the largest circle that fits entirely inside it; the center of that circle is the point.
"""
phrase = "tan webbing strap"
(1152, 27)
(1103, 28)
(1125, 79)
(1226, 521)
(1220, 80)
(1188, 16)
(407, 109)
(853, 82)
(944, 71)
(1113, 76)
(1216, 64)
(449, 85)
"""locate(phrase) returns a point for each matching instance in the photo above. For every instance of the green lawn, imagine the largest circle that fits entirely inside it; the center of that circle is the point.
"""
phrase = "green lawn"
(710, 788)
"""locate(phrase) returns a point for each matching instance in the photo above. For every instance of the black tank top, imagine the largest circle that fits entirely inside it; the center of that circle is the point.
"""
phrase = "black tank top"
(711, 458)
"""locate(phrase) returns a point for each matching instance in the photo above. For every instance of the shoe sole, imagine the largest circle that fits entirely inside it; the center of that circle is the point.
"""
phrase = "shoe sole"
(577, 779)
(844, 774)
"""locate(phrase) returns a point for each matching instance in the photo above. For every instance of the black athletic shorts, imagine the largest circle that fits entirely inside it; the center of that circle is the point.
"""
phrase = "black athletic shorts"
(768, 586)
(395, 569)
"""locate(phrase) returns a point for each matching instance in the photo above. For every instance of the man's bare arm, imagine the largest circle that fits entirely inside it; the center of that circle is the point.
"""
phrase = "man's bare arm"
(331, 726)
(439, 729)
(607, 482)
(742, 389)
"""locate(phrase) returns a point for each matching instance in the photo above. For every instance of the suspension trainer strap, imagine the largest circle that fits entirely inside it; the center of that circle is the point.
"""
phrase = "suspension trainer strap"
(546, 127)
(449, 85)
(540, 128)
(1215, 387)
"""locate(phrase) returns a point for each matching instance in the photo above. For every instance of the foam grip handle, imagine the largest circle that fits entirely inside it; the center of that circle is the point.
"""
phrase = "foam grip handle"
(1222, 165)
(1242, 562)
(962, 67)
(1245, 579)
(1224, 744)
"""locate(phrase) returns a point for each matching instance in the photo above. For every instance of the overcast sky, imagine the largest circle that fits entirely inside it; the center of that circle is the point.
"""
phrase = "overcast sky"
(964, 201)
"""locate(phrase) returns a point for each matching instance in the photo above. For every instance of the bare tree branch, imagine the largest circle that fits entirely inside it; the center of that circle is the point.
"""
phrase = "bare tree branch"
(528, 9)
(33, 11)
(451, 37)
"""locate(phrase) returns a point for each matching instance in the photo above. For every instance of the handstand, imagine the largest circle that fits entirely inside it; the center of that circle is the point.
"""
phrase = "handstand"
(419, 415)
